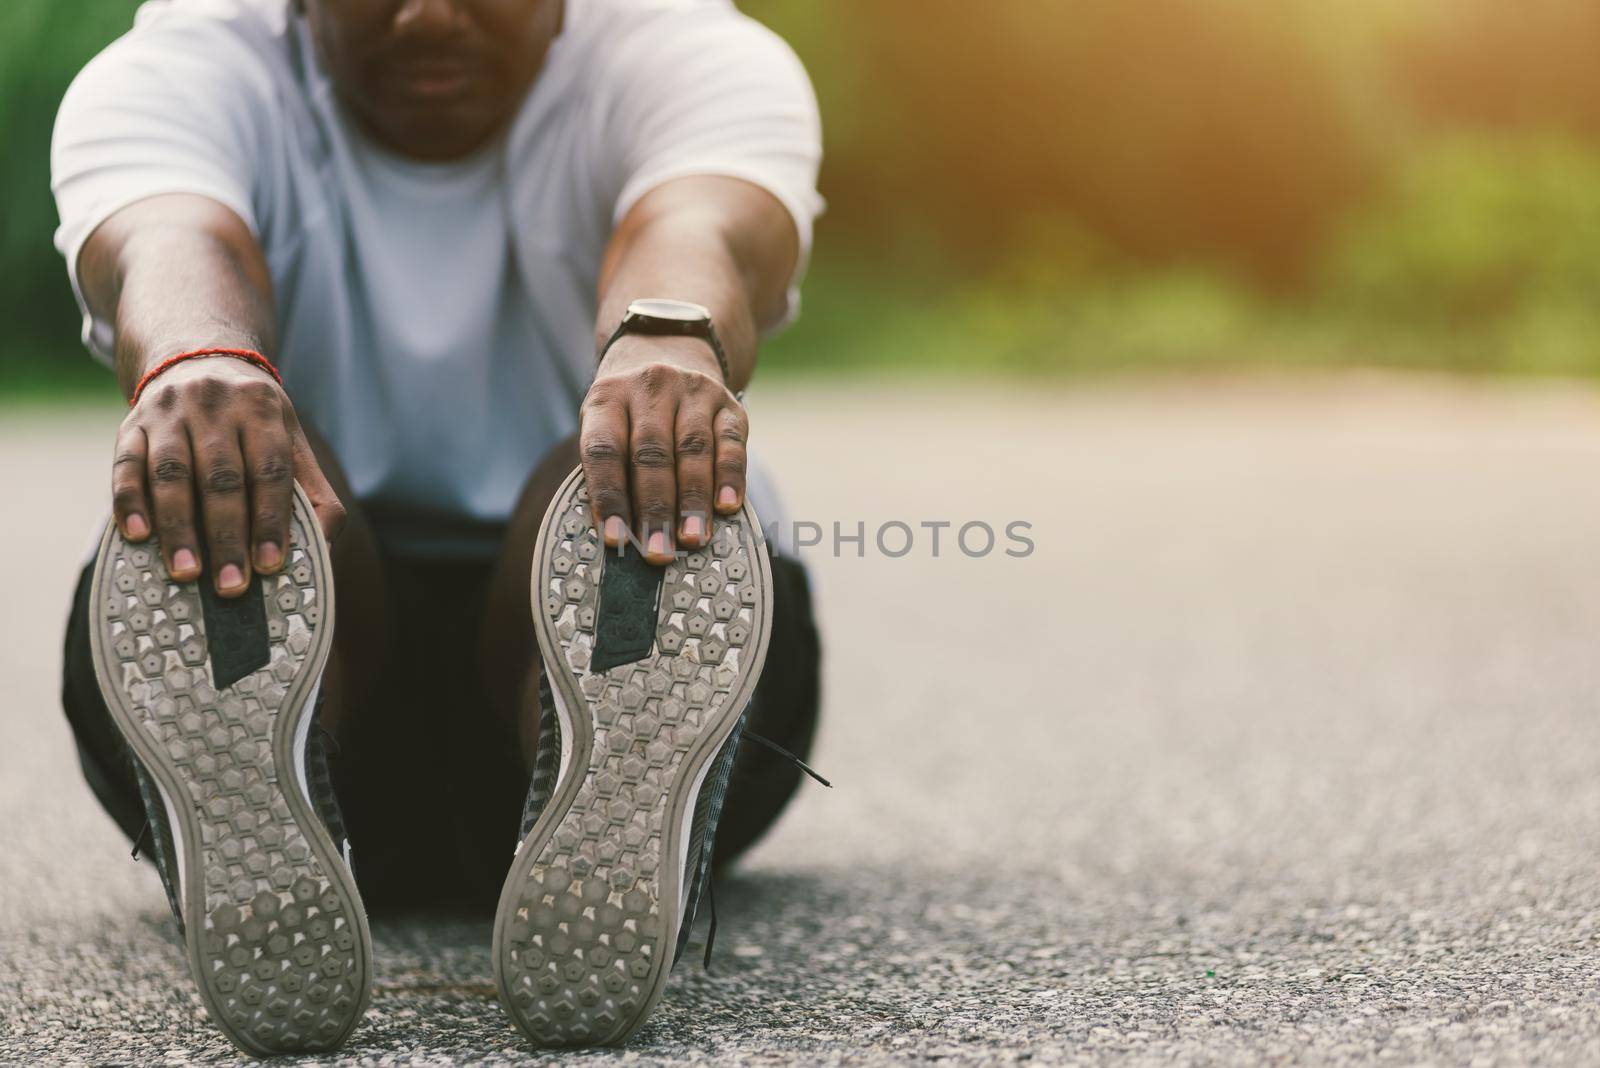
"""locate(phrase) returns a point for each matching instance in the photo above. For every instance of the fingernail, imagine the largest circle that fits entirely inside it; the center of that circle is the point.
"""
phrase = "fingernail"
(136, 526)
(268, 555)
(615, 530)
(230, 577)
(727, 497)
(184, 560)
(693, 528)
(657, 545)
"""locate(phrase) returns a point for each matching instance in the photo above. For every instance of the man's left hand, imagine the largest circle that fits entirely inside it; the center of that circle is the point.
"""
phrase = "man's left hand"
(660, 422)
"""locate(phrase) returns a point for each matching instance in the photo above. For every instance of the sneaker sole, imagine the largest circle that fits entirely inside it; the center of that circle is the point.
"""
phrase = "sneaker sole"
(588, 920)
(277, 937)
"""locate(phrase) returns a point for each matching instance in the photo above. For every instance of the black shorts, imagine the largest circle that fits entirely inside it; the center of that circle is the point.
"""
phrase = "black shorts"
(430, 785)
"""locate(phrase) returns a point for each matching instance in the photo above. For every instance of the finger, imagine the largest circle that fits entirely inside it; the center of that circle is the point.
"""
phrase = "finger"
(732, 431)
(653, 480)
(224, 509)
(325, 503)
(269, 469)
(694, 449)
(171, 480)
(130, 504)
(603, 447)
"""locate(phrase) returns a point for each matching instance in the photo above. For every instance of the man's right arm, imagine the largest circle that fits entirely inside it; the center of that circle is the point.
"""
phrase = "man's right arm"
(208, 457)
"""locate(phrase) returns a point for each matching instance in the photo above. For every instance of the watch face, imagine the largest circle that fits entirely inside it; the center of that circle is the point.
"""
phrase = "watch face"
(677, 310)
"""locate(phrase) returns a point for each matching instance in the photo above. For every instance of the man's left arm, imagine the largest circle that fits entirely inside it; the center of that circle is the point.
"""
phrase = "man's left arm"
(662, 436)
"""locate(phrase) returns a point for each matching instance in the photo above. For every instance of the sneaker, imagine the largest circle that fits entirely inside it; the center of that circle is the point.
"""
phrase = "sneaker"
(650, 670)
(217, 699)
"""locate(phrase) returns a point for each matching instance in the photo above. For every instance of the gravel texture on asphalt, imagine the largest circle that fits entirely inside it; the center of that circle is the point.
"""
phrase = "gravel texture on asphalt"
(1281, 747)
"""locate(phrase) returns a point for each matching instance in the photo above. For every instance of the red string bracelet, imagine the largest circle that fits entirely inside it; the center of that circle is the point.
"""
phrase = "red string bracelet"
(247, 355)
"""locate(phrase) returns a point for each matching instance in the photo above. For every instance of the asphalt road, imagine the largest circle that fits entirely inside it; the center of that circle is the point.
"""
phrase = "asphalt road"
(1281, 747)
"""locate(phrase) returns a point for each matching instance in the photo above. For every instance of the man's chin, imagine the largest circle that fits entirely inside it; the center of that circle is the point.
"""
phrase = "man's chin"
(435, 129)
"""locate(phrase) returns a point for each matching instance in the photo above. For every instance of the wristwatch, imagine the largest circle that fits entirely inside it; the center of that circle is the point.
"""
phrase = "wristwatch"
(659, 317)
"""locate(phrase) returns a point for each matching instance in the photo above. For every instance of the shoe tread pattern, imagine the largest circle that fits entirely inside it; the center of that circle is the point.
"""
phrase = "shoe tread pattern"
(588, 921)
(281, 948)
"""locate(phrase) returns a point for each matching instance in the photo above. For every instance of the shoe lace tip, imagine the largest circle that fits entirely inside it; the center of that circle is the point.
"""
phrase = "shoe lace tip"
(790, 757)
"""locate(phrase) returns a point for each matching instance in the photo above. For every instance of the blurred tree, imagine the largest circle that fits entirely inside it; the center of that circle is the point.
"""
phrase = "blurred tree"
(1490, 64)
(1176, 129)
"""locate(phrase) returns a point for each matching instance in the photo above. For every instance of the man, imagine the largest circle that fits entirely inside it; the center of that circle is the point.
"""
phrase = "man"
(386, 271)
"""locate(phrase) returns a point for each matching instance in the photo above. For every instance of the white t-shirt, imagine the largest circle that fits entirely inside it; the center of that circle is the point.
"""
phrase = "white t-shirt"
(436, 320)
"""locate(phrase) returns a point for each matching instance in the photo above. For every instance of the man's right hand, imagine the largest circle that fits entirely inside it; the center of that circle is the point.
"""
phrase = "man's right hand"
(211, 452)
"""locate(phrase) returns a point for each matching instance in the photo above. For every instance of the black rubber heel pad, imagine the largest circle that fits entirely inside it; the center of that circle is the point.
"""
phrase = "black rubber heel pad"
(236, 632)
(625, 627)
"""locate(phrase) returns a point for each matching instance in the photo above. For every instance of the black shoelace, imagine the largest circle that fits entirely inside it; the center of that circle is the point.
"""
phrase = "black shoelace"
(711, 896)
(790, 757)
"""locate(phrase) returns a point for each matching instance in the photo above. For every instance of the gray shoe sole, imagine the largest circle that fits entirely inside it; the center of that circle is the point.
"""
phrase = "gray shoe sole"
(588, 920)
(277, 937)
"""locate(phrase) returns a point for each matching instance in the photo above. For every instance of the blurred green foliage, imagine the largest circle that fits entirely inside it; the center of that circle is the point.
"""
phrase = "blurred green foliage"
(1491, 244)
(1042, 187)
(1480, 254)
(42, 44)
